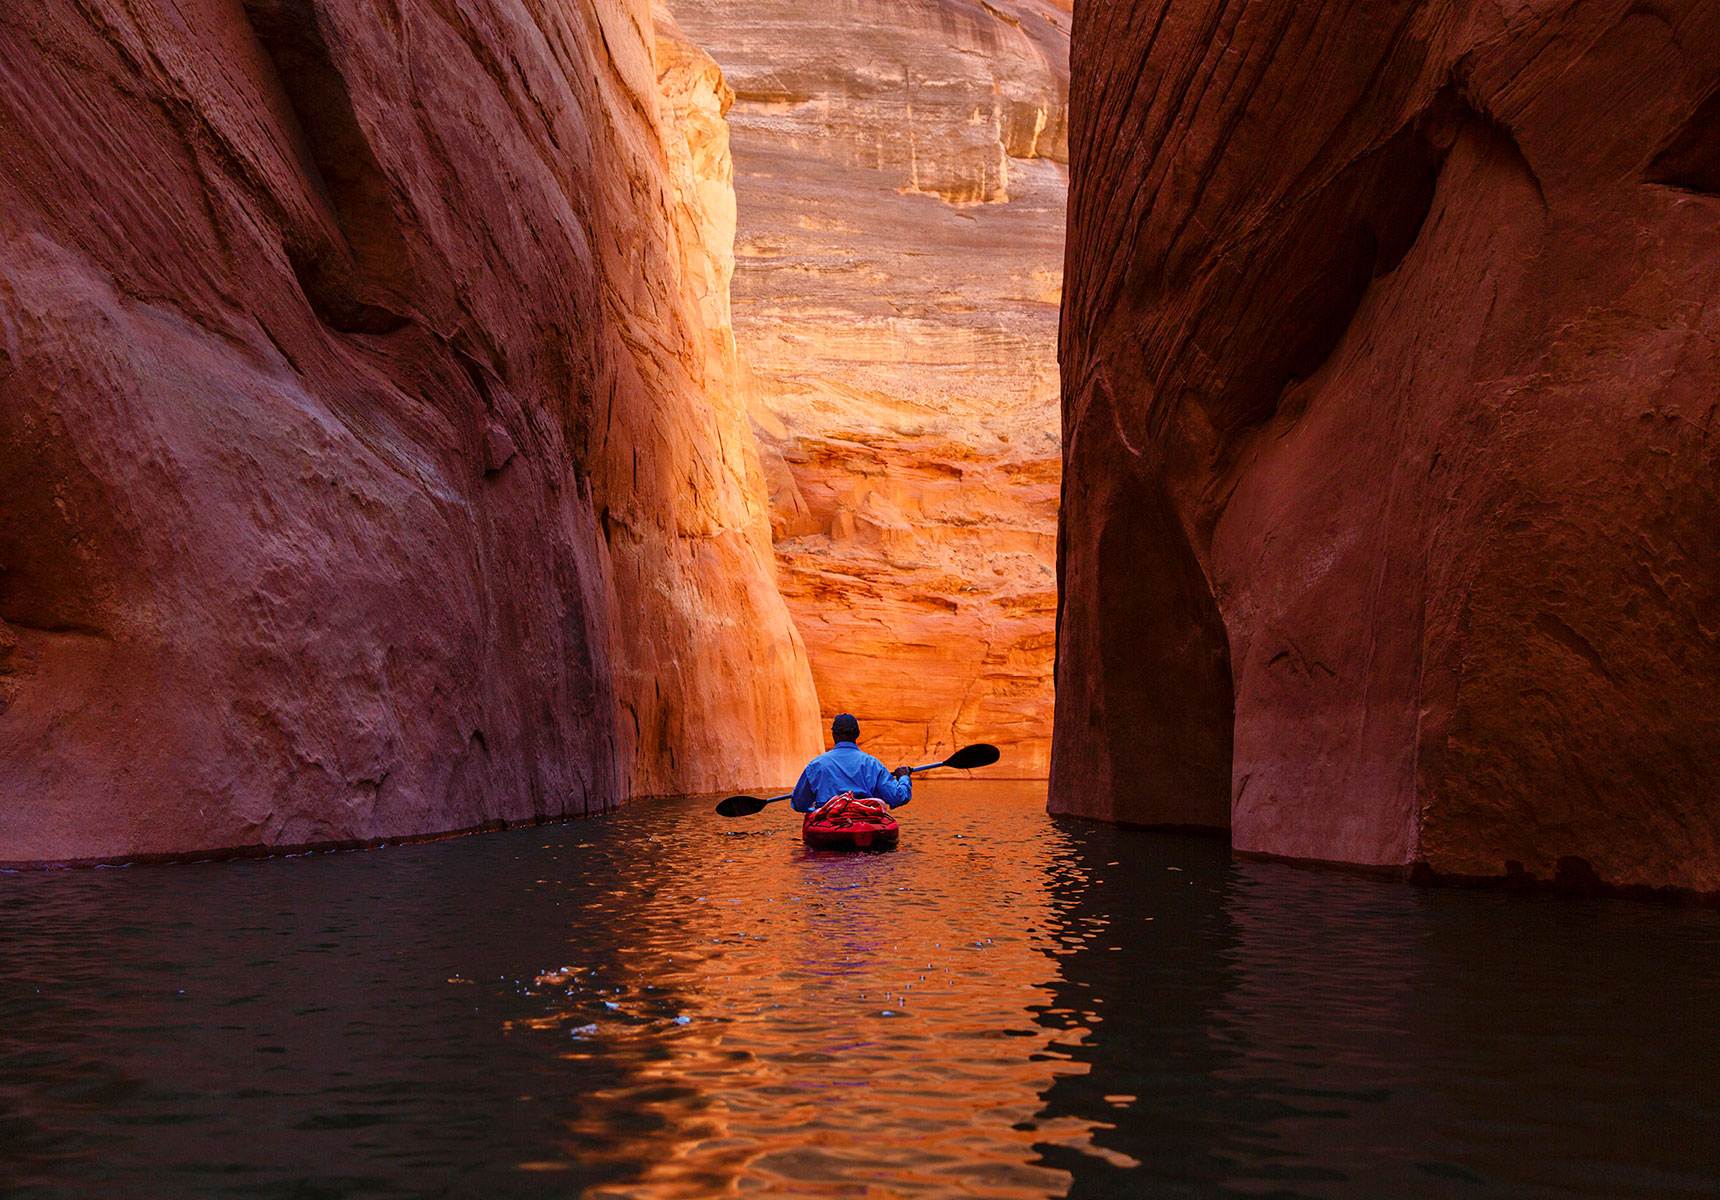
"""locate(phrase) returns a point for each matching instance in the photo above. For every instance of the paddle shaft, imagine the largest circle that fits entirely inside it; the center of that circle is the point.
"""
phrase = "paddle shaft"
(927, 767)
(911, 770)
(981, 755)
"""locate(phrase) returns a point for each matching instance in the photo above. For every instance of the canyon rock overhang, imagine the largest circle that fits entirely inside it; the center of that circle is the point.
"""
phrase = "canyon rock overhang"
(1390, 531)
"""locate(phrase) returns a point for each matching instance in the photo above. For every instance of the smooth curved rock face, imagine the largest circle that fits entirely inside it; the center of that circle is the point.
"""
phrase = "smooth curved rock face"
(1390, 425)
(358, 475)
(716, 689)
(901, 182)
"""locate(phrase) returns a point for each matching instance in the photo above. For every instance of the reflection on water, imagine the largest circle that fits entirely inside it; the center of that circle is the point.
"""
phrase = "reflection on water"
(651, 1004)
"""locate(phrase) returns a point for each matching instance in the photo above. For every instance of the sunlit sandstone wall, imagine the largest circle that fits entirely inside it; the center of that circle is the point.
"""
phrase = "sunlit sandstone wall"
(1390, 427)
(900, 171)
(730, 702)
(364, 470)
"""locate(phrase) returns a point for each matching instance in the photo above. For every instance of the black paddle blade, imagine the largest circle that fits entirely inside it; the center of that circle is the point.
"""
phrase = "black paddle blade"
(969, 757)
(740, 806)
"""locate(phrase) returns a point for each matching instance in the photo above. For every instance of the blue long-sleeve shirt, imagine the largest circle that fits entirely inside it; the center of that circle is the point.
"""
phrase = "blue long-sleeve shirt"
(847, 768)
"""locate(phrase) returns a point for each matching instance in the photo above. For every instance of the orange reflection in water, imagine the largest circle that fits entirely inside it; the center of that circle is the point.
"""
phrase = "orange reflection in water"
(661, 1004)
(812, 1023)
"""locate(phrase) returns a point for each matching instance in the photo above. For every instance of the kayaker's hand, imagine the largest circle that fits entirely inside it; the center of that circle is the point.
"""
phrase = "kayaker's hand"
(901, 771)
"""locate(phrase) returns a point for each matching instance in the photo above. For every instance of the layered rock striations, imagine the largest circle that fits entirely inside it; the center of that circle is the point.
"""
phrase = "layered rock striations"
(366, 469)
(1390, 529)
(900, 172)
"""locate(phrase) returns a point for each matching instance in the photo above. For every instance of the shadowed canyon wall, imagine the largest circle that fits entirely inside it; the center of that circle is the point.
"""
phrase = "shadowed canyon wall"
(368, 465)
(1390, 531)
(900, 172)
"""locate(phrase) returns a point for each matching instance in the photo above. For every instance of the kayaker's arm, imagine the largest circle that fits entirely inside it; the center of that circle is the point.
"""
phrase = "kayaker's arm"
(895, 790)
(805, 797)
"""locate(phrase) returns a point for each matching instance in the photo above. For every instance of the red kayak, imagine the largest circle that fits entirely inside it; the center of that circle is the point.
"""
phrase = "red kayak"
(850, 822)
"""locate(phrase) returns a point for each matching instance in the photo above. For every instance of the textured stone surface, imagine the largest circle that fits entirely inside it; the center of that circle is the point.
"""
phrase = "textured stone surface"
(365, 468)
(901, 182)
(716, 686)
(1390, 420)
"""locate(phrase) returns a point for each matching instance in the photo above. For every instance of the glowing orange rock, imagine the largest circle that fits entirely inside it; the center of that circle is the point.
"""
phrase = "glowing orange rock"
(901, 181)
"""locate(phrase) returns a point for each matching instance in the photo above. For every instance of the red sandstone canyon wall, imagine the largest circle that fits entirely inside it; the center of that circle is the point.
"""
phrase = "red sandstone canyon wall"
(900, 172)
(1391, 515)
(363, 468)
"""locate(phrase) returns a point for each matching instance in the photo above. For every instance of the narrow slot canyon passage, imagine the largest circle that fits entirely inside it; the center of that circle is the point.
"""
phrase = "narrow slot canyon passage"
(1255, 466)
(900, 174)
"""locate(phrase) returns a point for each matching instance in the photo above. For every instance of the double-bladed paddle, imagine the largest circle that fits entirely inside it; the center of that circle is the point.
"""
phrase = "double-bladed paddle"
(968, 757)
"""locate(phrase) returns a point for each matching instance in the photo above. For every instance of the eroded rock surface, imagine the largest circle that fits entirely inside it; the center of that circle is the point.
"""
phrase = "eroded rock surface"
(365, 470)
(900, 170)
(1390, 426)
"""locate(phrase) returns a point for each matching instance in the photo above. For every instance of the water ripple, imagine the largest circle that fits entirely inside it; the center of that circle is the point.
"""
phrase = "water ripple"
(655, 1005)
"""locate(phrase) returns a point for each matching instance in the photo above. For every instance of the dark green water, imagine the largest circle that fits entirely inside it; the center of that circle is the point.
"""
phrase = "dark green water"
(651, 1004)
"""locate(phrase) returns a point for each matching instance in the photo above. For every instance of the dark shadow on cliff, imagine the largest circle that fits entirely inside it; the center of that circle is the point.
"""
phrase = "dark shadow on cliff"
(1691, 160)
(1149, 741)
(357, 274)
(1169, 713)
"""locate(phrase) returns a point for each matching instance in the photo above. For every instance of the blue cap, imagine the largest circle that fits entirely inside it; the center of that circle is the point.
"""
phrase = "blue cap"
(845, 728)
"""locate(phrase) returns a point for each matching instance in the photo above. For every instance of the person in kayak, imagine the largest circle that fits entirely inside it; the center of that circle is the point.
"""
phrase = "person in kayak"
(847, 768)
